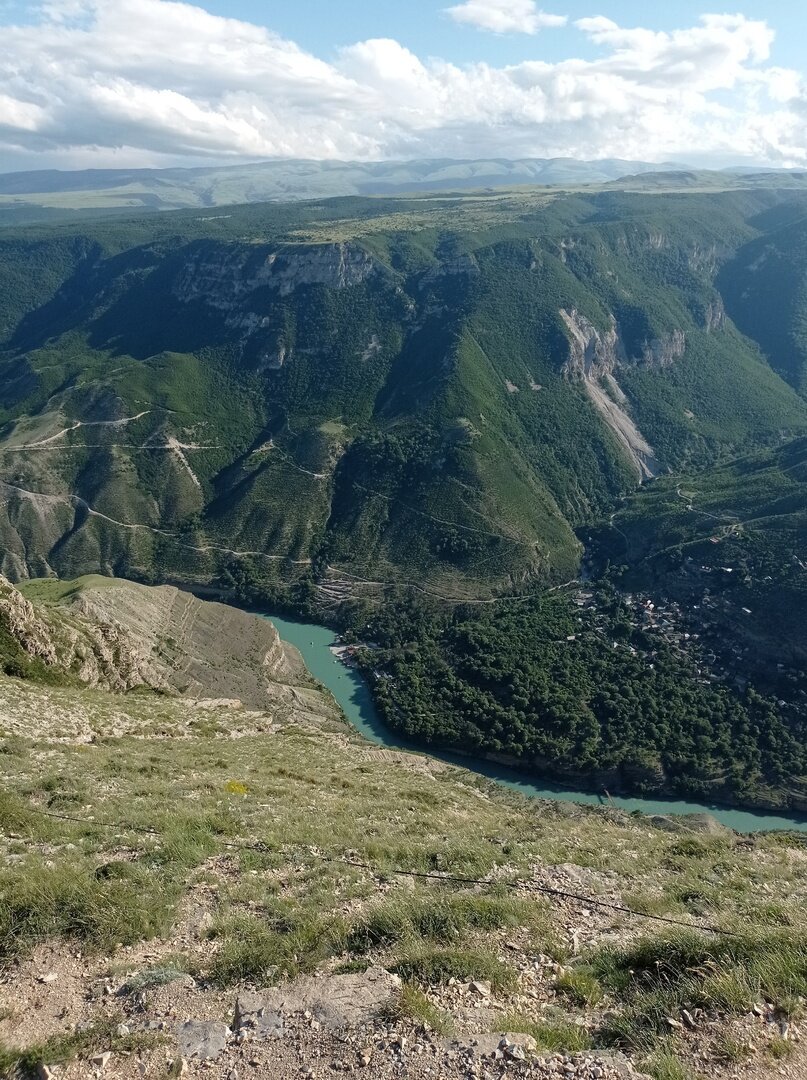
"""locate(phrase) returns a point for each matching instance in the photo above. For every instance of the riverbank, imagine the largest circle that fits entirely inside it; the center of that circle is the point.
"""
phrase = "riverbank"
(352, 693)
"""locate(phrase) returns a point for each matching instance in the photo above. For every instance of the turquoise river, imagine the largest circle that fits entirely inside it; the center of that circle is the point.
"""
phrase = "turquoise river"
(351, 691)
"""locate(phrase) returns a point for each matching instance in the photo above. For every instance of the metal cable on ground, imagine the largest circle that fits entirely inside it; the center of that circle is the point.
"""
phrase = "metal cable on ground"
(532, 886)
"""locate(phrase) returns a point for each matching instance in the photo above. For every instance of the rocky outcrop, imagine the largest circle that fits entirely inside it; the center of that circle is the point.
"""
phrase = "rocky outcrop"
(592, 353)
(714, 317)
(119, 635)
(663, 351)
(594, 357)
(706, 259)
(224, 275)
(596, 353)
(459, 266)
(233, 279)
(18, 618)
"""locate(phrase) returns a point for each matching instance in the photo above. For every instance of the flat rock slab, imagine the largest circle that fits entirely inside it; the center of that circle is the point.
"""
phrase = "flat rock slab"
(336, 1001)
(484, 1045)
(202, 1039)
(252, 1014)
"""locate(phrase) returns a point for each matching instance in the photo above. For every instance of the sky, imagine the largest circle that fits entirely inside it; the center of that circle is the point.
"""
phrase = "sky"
(123, 83)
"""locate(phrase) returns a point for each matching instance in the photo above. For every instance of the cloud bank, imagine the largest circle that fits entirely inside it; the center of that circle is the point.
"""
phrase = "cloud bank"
(504, 16)
(106, 82)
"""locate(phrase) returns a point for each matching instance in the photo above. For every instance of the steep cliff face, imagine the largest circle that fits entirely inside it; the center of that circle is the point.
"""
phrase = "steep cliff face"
(175, 641)
(714, 317)
(458, 266)
(594, 357)
(663, 351)
(243, 282)
(592, 354)
(224, 274)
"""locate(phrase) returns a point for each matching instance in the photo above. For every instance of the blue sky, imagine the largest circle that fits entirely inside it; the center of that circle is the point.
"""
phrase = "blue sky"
(324, 25)
(158, 82)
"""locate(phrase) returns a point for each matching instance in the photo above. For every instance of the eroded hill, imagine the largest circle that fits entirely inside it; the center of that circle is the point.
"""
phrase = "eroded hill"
(114, 634)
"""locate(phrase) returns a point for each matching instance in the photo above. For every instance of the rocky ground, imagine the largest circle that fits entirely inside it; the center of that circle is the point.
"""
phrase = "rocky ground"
(311, 1027)
(162, 1023)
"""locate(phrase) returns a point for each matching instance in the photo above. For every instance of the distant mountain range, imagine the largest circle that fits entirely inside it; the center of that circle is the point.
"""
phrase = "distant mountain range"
(52, 194)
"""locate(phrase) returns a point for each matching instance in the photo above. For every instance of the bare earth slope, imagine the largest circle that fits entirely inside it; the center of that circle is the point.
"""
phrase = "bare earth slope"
(119, 635)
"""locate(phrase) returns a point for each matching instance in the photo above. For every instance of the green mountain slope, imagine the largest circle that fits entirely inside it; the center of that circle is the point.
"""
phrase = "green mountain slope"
(434, 391)
(765, 287)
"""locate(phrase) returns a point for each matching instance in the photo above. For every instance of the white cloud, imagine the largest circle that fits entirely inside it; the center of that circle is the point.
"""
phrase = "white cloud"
(20, 115)
(504, 16)
(156, 82)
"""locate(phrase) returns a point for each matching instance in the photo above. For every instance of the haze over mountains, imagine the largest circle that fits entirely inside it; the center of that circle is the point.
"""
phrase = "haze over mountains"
(52, 195)
(288, 180)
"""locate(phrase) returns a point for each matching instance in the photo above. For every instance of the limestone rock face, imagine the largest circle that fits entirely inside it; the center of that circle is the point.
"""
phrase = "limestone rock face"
(20, 619)
(663, 351)
(242, 282)
(714, 316)
(461, 265)
(592, 353)
(223, 275)
(594, 358)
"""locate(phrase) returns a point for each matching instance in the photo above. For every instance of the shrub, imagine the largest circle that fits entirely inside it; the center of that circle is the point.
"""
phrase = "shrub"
(438, 965)
(72, 901)
(657, 977)
(442, 918)
(283, 946)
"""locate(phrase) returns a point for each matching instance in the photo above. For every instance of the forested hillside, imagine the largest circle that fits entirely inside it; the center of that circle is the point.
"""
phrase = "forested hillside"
(765, 286)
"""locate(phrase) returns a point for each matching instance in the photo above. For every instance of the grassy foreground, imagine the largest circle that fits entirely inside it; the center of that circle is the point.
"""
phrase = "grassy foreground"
(110, 842)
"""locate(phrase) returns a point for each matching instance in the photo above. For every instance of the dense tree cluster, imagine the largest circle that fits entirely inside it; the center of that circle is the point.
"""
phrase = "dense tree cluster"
(580, 693)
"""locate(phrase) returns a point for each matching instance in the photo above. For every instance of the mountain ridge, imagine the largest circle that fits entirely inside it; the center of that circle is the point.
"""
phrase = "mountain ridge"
(210, 186)
(120, 636)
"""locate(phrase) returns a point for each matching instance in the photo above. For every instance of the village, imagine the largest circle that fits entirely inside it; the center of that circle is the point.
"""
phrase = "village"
(705, 631)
